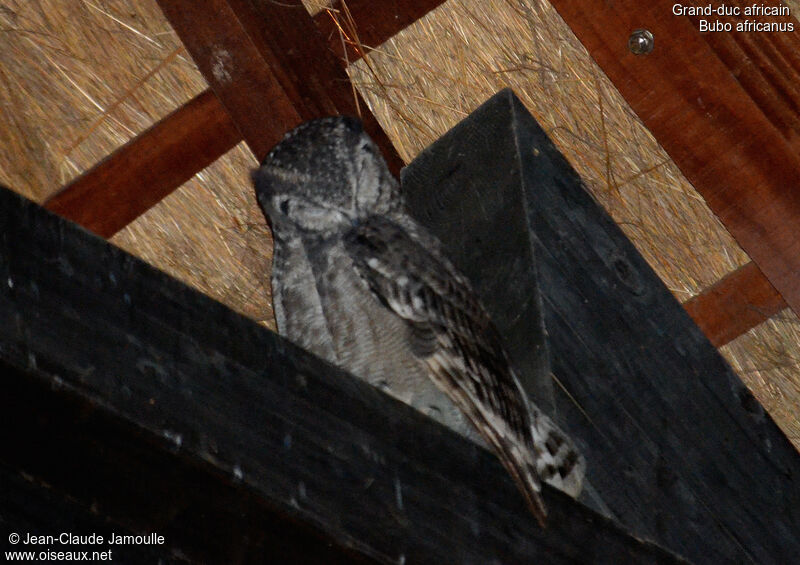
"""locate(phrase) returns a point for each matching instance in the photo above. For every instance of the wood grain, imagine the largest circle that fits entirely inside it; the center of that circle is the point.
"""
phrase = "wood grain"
(270, 68)
(135, 177)
(720, 106)
(139, 174)
(766, 65)
(677, 448)
(734, 305)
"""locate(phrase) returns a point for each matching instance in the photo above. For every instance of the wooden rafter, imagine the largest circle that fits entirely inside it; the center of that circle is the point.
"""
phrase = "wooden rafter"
(145, 170)
(270, 68)
(764, 68)
(735, 304)
(142, 172)
(721, 112)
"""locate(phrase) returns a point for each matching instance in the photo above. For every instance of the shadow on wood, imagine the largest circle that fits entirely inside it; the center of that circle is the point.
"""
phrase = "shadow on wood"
(676, 446)
(137, 403)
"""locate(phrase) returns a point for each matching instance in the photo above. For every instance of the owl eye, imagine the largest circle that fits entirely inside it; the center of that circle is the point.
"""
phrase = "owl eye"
(283, 205)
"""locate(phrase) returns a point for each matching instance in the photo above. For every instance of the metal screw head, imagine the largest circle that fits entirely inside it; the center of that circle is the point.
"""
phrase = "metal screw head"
(641, 42)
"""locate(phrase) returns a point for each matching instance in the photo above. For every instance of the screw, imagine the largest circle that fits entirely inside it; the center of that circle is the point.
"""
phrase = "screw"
(641, 42)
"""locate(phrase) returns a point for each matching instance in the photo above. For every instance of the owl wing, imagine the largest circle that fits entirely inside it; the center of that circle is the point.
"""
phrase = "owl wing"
(453, 335)
(299, 315)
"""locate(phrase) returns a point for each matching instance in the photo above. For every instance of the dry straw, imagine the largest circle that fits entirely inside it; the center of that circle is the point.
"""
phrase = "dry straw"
(80, 77)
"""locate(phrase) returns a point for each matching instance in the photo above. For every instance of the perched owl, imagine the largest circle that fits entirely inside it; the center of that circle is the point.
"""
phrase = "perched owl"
(358, 282)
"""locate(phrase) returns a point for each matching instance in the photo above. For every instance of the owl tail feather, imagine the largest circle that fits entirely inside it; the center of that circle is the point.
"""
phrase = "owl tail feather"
(520, 465)
(558, 462)
(530, 486)
(553, 459)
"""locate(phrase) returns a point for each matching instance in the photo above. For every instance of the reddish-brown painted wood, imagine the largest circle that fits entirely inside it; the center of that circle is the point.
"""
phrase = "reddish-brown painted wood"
(365, 24)
(731, 145)
(139, 174)
(116, 191)
(737, 303)
(767, 66)
(269, 66)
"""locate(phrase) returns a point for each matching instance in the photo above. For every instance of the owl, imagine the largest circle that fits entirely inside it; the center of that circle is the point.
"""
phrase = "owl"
(358, 282)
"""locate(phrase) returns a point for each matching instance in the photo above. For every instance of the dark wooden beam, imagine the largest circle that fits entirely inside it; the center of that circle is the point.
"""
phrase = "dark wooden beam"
(139, 174)
(94, 472)
(734, 305)
(139, 398)
(677, 448)
(722, 108)
(32, 508)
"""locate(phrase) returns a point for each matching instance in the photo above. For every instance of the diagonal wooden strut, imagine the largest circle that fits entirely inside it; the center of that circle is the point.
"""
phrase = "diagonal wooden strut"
(142, 172)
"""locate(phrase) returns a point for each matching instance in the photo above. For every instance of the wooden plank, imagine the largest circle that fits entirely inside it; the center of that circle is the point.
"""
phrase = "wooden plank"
(733, 146)
(677, 448)
(178, 415)
(766, 65)
(235, 68)
(365, 24)
(270, 67)
(734, 305)
(93, 472)
(30, 508)
(139, 174)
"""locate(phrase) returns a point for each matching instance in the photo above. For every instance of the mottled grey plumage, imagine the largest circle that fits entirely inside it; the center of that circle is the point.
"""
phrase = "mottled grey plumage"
(358, 282)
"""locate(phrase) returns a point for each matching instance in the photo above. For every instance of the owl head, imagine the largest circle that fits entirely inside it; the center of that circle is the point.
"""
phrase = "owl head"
(324, 176)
